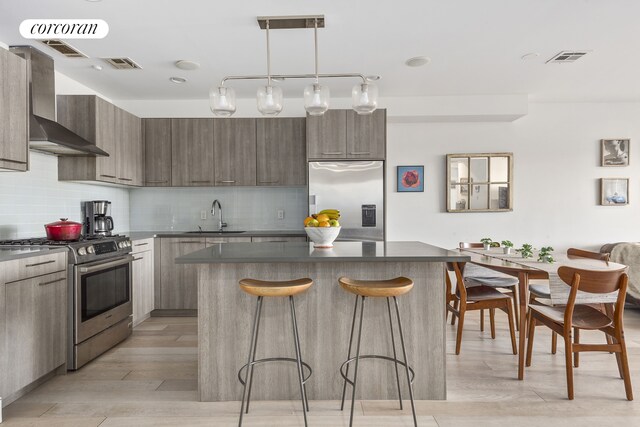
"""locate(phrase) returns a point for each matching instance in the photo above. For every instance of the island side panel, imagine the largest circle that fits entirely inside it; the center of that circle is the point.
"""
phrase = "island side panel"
(225, 316)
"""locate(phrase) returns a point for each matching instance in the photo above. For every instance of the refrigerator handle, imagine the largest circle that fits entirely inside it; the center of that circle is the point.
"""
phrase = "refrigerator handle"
(313, 203)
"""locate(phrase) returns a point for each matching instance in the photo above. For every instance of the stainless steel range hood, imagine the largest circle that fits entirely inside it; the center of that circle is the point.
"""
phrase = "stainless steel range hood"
(45, 134)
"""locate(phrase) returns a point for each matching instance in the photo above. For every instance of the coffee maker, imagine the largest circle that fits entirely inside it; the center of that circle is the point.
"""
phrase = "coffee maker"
(98, 221)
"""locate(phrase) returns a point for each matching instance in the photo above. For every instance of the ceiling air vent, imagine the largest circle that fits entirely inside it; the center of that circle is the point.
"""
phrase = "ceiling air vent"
(123, 63)
(64, 48)
(567, 56)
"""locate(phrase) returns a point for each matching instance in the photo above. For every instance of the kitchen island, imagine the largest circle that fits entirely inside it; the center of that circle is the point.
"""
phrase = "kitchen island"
(225, 316)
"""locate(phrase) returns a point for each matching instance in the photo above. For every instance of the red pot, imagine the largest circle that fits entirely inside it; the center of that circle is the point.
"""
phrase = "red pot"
(63, 230)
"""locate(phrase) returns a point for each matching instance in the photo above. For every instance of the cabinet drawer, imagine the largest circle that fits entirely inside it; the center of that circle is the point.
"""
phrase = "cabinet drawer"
(279, 239)
(142, 245)
(215, 240)
(35, 266)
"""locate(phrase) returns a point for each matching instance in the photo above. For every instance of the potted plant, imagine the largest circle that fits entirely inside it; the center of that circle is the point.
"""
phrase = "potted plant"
(526, 251)
(546, 255)
(507, 246)
(486, 241)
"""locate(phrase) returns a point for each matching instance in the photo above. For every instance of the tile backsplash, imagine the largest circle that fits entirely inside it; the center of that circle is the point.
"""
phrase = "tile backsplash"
(28, 200)
(244, 208)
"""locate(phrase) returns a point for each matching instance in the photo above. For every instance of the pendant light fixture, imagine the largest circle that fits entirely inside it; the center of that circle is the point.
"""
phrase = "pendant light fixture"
(364, 95)
(316, 96)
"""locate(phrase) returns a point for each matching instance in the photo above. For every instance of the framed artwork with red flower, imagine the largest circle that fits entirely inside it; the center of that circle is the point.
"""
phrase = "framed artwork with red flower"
(410, 179)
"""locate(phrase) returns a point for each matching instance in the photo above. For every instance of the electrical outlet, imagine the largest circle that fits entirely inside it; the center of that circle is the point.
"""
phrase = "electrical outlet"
(203, 215)
(280, 214)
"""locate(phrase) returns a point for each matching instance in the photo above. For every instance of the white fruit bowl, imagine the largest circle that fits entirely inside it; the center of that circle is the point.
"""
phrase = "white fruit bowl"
(322, 237)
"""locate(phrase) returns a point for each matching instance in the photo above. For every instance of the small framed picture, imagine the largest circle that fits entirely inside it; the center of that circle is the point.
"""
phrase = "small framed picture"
(614, 191)
(410, 179)
(615, 152)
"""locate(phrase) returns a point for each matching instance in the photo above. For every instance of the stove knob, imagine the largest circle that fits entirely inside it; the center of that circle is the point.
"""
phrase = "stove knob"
(128, 242)
(121, 245)
(91, 249)
(82, 251)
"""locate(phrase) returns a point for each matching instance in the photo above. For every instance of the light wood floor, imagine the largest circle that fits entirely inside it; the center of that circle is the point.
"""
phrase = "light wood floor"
(150, 380)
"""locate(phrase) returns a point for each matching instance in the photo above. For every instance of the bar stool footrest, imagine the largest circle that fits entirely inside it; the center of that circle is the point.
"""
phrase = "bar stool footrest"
(278, 359)
(373, 356)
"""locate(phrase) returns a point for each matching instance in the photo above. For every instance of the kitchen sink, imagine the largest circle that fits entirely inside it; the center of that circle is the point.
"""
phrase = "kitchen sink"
(217, 232)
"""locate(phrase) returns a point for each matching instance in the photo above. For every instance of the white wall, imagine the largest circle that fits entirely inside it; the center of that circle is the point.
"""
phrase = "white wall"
(28, 200)
(556, 177)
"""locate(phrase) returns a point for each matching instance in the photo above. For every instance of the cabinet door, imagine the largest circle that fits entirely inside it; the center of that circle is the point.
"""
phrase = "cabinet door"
(235, 151)
(157, 152)
(128, 148)
(137, 150)
(366, 135)
(216, 240)
(14, 138)
(179, 282)
(143, 292)
(192, 153)
(281, 151)
(105, 138)
(327, 135)
(35, 327)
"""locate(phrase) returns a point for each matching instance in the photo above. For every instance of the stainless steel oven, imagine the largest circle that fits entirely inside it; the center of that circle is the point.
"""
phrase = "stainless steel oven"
(103, 295)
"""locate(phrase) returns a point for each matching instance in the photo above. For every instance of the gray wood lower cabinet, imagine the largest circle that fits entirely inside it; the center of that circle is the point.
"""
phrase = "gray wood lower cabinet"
(143, 280)
(35, 335)
(279, 239)
(177, 286)
(14, 138)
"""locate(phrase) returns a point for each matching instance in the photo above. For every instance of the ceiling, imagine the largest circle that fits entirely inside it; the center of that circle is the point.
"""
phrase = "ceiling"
(475, 46)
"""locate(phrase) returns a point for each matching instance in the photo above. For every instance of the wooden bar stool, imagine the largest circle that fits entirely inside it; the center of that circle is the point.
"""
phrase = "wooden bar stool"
(376, 289)
(263, 289)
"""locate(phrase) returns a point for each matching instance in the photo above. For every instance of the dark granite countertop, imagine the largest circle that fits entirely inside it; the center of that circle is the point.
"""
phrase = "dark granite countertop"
(9, 253)
(139, 235)
(305, 252)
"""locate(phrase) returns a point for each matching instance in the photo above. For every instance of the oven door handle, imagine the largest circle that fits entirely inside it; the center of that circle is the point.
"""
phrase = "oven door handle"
(103, 265)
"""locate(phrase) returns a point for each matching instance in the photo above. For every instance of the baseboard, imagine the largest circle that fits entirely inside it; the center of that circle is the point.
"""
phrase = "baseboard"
(174, 313)
(7, 400)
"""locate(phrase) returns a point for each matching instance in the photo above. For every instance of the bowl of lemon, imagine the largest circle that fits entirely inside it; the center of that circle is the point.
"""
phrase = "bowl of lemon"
(323, 228)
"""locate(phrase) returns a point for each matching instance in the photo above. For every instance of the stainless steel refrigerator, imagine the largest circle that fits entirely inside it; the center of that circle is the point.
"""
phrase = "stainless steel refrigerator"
(356, 188)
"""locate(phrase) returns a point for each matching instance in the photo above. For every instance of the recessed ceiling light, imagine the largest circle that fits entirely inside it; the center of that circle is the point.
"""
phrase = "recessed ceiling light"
(177, 80)
(96, 67)
(528, 56)
(372, 78)
(187, 65)
(417, 61)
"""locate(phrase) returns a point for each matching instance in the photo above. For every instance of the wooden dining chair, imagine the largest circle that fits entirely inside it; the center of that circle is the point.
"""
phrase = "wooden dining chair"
(563, 320)
(461, 299)
(539, 290)
(510, 284)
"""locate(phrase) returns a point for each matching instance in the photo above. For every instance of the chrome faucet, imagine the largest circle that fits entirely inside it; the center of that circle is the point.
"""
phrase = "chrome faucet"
(221, 224)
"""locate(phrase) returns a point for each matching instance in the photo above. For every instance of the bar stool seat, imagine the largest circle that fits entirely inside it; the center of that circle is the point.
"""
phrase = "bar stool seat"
(264, 288)
(388, 289)
(377, 288)
(268, 289)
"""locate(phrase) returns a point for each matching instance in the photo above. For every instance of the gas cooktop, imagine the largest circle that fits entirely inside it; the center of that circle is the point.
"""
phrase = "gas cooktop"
(85, 249)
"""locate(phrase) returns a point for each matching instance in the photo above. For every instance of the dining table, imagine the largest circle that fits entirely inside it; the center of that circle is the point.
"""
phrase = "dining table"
(526, 269)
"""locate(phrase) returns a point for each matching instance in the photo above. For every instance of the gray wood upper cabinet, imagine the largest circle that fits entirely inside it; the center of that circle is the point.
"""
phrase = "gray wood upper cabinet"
(327, 136)
(128, 148)
(157, 152)
(367, 135)
(281, 151)
(113, 130)
(343, 134)
(14, 111)
(36, 313)
(192, 152)
(235, 152)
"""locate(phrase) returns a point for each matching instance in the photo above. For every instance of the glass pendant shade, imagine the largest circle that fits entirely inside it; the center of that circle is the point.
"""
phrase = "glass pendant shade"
(364, 98)
(222, 101)
(316, 99)
(269, 100)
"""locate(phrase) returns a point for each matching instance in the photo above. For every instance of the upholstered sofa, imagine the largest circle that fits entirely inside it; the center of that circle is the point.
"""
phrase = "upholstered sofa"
(629, 254)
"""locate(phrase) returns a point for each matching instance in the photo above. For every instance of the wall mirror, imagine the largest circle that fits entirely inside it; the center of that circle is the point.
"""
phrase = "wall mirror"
(480, 182)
